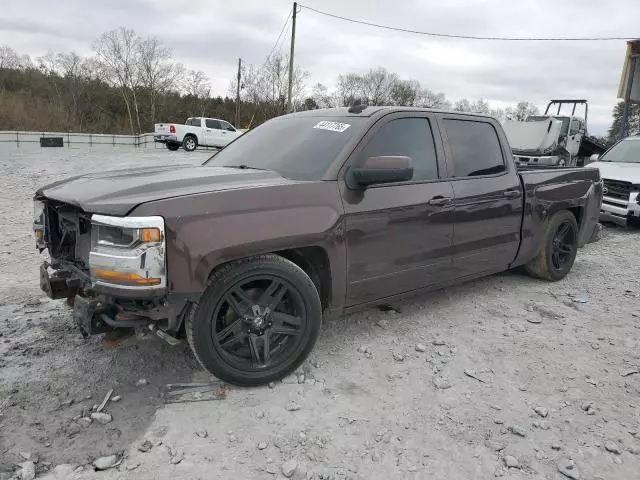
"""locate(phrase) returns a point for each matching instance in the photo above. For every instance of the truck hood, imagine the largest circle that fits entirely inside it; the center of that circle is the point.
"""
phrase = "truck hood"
(535, 137)
(625, 172)
(120, 191)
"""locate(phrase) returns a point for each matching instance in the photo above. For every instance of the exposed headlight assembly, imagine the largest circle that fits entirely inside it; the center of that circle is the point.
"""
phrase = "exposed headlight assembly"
(128, 252)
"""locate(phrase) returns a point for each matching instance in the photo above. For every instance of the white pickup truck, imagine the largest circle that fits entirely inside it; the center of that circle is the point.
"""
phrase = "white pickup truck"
(620, 171)
(207, 132)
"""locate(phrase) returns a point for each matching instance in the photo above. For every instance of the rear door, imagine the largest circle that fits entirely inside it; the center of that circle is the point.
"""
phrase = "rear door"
(488, 195)
(399, 236)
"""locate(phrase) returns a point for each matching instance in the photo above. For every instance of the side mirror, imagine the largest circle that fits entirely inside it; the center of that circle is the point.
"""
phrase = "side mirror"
(231, 129)
(595, 157)
(377, 170)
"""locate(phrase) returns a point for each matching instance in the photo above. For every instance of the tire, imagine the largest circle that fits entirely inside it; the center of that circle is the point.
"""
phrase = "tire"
(190, 143)
(558, 252)
(235, 324)
(173, 146)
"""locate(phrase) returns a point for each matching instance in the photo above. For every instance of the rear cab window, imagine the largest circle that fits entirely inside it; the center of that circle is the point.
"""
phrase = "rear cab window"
(194, 122)
(475, 148)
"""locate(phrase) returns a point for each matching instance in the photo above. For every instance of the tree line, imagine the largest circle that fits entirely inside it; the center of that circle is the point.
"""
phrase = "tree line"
(129, 83)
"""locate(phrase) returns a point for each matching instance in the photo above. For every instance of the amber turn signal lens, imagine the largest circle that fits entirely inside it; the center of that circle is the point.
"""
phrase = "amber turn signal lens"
(39, 235)
(128, 278)
(150, 235)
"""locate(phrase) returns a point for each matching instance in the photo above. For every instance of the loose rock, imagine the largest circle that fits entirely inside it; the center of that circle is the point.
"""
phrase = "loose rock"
(293, 407)
(398, 357)
(73, 429)
(441, 383)
(141, 382)
(438, 342)
(262, 445)
(518, 430)
(568, 468)
(116, 398)
(202, 433)
(145, 446)
(272, 384)
(421, 348)
(102, 418)
(612, 447)
(289, 468)
(84, 422)
(104, 463)
(383, 323)
(511, 462)
(542, 411)
(28, 471)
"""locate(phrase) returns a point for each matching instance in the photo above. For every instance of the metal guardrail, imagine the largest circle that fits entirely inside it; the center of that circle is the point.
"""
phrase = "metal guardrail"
(69, 138)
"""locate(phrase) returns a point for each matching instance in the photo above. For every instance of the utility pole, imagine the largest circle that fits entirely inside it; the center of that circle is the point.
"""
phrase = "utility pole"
(237, 124)
(293, 43)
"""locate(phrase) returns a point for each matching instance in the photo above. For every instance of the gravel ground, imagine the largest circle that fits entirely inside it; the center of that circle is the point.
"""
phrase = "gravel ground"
(506, 376)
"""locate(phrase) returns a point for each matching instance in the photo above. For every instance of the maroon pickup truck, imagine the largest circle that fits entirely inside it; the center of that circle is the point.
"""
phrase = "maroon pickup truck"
(309, 214)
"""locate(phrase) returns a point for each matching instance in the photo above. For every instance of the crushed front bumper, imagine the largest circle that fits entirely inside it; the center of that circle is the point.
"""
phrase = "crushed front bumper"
(97, 310)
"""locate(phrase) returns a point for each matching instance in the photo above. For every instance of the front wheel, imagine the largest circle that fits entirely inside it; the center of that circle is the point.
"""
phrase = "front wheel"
(559, 248)
(256, 322)
(190, 143)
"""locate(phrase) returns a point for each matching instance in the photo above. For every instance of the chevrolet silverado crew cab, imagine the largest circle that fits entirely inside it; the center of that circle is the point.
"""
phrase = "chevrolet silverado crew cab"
(620, 171)
(307, 215)
(208, 132)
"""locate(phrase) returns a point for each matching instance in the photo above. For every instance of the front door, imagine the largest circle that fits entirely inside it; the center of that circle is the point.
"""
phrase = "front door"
(212, 132)
(399, 236)
(488, 197)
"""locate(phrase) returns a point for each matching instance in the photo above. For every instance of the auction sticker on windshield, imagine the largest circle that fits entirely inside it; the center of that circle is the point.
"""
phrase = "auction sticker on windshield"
(332, 126)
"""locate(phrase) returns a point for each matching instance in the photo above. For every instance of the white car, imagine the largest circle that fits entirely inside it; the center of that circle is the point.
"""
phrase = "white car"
(620, 171)
(208, 132)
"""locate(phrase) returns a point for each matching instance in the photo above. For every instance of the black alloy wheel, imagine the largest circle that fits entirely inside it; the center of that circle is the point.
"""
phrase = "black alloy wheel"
(563, 246)
(256, 322)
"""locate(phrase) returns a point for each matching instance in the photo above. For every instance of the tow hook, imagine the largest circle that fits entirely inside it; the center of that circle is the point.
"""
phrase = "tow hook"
(173, 341)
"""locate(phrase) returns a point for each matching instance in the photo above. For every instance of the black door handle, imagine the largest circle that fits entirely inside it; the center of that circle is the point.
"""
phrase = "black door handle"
(512, 193)
(440, 201)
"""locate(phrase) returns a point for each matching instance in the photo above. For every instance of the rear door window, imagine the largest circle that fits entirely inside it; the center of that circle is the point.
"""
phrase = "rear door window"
(475, 148)
(407, 137)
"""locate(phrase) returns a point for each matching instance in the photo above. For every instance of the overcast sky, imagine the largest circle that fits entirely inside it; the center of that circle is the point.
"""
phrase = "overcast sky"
(211, 34)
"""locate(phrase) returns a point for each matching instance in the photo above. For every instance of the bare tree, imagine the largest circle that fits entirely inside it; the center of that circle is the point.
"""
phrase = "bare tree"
(320, 95)
(377, 85)
(267, 86)
(429, 99)
(157, 72)
(9, 58)
(196, 85)
(348, 88)
(405, 93)
(521, 111)
(119, 52)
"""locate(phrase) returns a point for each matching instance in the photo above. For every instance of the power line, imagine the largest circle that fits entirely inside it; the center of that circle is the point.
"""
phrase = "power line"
(466, 37)
(275, 45)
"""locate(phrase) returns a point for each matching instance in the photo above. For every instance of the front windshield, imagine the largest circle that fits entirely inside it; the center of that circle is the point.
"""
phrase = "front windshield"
(299, 148)
(626, 151)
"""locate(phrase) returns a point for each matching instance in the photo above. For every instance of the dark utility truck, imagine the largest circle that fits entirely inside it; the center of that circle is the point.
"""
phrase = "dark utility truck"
(309, 214)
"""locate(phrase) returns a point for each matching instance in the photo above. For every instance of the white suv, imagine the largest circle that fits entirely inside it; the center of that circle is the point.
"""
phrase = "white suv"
(620, 170)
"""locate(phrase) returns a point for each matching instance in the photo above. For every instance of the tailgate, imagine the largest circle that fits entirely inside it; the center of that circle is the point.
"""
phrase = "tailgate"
(162, 128)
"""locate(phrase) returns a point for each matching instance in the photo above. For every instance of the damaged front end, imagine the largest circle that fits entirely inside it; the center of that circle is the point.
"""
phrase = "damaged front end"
(112, 270)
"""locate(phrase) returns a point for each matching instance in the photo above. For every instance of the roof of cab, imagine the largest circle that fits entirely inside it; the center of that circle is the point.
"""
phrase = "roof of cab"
(371, 111)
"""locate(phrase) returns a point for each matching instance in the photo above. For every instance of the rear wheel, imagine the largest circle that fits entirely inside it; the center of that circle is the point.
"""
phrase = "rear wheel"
(190, 143)
(256, 322)
(173, 146)
(559, 248)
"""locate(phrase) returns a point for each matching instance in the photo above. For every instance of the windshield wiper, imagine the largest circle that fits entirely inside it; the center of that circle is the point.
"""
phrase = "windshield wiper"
(245, 167)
